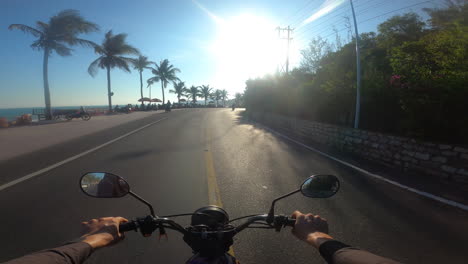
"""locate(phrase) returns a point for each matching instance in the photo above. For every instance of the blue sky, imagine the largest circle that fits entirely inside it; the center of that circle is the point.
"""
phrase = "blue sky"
(217, 42)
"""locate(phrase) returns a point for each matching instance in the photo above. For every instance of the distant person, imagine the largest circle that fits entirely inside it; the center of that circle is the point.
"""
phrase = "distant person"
(111, 186)
(116, 108)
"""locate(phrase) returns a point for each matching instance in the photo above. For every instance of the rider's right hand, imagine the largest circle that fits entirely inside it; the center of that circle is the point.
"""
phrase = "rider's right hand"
(103, 231)
(310, 228)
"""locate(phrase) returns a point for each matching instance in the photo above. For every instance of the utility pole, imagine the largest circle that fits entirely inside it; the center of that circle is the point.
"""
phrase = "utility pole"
(288, 38)
(358, 72)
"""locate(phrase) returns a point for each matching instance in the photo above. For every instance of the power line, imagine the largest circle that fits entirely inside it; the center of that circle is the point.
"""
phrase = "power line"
(365, 10)
(298, 11)
(329, 13)
(321, 23)
(384, 14)
(420, 3)
(311, 30)
(381, 3)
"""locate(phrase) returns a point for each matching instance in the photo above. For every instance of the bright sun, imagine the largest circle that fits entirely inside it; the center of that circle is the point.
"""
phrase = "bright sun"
(246, 47)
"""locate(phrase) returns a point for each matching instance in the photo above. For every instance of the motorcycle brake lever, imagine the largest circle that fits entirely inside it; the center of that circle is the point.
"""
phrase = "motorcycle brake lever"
(162, 233)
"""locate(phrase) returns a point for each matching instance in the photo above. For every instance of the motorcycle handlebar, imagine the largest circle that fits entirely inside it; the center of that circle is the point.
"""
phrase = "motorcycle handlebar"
(129, 226)
(285, 221)
(290, 222)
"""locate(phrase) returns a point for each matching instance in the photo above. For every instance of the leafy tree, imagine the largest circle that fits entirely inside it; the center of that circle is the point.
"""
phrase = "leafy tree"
(61, 32)
(141, 64)
(164, 72)
(112, 55)
(179, 89)
(205, 92)
(434, 74)
(399, 29)
(414, 76)
(314, 52)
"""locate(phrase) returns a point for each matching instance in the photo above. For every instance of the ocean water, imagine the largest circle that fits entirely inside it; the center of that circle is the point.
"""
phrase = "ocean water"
(11, 113)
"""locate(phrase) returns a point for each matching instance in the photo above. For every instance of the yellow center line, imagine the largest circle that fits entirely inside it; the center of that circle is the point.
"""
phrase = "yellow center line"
(214, 196)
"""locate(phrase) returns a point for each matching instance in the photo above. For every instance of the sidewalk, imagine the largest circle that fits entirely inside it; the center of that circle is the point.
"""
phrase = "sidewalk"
(16, 141)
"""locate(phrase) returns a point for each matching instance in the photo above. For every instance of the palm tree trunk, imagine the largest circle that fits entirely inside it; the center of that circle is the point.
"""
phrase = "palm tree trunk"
(109, 94)
(162, 89)
(206, 98)
(48, 110)
(178, 99)
(141, 87)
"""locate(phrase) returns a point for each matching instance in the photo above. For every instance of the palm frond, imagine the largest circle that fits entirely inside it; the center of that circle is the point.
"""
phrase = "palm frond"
(61, 49)
(44, 27)
(122, 63)
(130, 50)
(93, 67)
(99, 50)
(152, 80)
(82, 42)
(26, 29)
(69, 23)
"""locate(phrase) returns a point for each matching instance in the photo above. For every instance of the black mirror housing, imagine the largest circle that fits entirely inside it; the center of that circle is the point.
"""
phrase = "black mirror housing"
(104, 185)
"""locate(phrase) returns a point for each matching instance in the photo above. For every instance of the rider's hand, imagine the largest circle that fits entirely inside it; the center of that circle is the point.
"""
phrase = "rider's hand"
(310, 228)
(103, 231)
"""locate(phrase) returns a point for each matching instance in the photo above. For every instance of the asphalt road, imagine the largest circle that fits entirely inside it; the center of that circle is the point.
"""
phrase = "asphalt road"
(173, 163)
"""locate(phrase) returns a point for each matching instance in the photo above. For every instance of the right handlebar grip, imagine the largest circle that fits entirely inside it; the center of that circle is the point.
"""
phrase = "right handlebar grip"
(128, 226)
(290, 222)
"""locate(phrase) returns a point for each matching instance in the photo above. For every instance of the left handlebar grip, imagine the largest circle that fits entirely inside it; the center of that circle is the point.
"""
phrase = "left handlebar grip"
(132, 225)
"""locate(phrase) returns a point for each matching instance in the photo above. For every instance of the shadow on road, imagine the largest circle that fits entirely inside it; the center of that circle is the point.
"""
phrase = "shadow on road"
(132, 154)
(401, 204)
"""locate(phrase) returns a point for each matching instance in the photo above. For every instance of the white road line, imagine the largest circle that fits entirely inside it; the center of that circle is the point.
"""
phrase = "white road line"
(58, 164)
(422, 193)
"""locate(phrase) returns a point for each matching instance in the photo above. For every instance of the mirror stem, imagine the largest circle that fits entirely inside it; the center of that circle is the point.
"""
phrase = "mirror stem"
(271, 213)
(143, 201)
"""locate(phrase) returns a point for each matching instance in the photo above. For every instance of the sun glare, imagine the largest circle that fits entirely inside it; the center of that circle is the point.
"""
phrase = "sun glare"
(246, 46)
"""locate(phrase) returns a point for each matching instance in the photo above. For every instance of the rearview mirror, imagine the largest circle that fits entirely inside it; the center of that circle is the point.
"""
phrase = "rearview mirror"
(320, 186)
(104, 185)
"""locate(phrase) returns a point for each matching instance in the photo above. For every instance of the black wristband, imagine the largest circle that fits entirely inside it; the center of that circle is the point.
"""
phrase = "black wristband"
(328, 249)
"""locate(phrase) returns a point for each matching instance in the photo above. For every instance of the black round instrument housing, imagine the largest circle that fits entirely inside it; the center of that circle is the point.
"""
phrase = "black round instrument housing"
(212, 216)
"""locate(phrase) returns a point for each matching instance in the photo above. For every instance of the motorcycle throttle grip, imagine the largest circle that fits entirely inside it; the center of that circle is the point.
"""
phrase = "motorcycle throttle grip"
(132, 225)
(290, 222)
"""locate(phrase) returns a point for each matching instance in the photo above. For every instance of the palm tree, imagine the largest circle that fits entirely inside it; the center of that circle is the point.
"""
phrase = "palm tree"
(141, 64)
(217, 96)
(224, 95)
(179, 89)
(149, 82)
(164, 72)
(111, 51)
(193, 93)
(58, 35)
(206, 92)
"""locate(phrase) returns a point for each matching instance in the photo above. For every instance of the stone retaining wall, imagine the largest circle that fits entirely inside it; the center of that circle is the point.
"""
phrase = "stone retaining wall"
(449, 162)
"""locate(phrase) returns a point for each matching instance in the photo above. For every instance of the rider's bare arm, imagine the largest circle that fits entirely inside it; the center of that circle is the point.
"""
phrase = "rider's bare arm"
(97, 233)
(313, 230)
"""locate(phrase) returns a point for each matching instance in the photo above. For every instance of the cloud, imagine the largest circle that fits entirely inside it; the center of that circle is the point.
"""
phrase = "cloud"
(214, 17)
